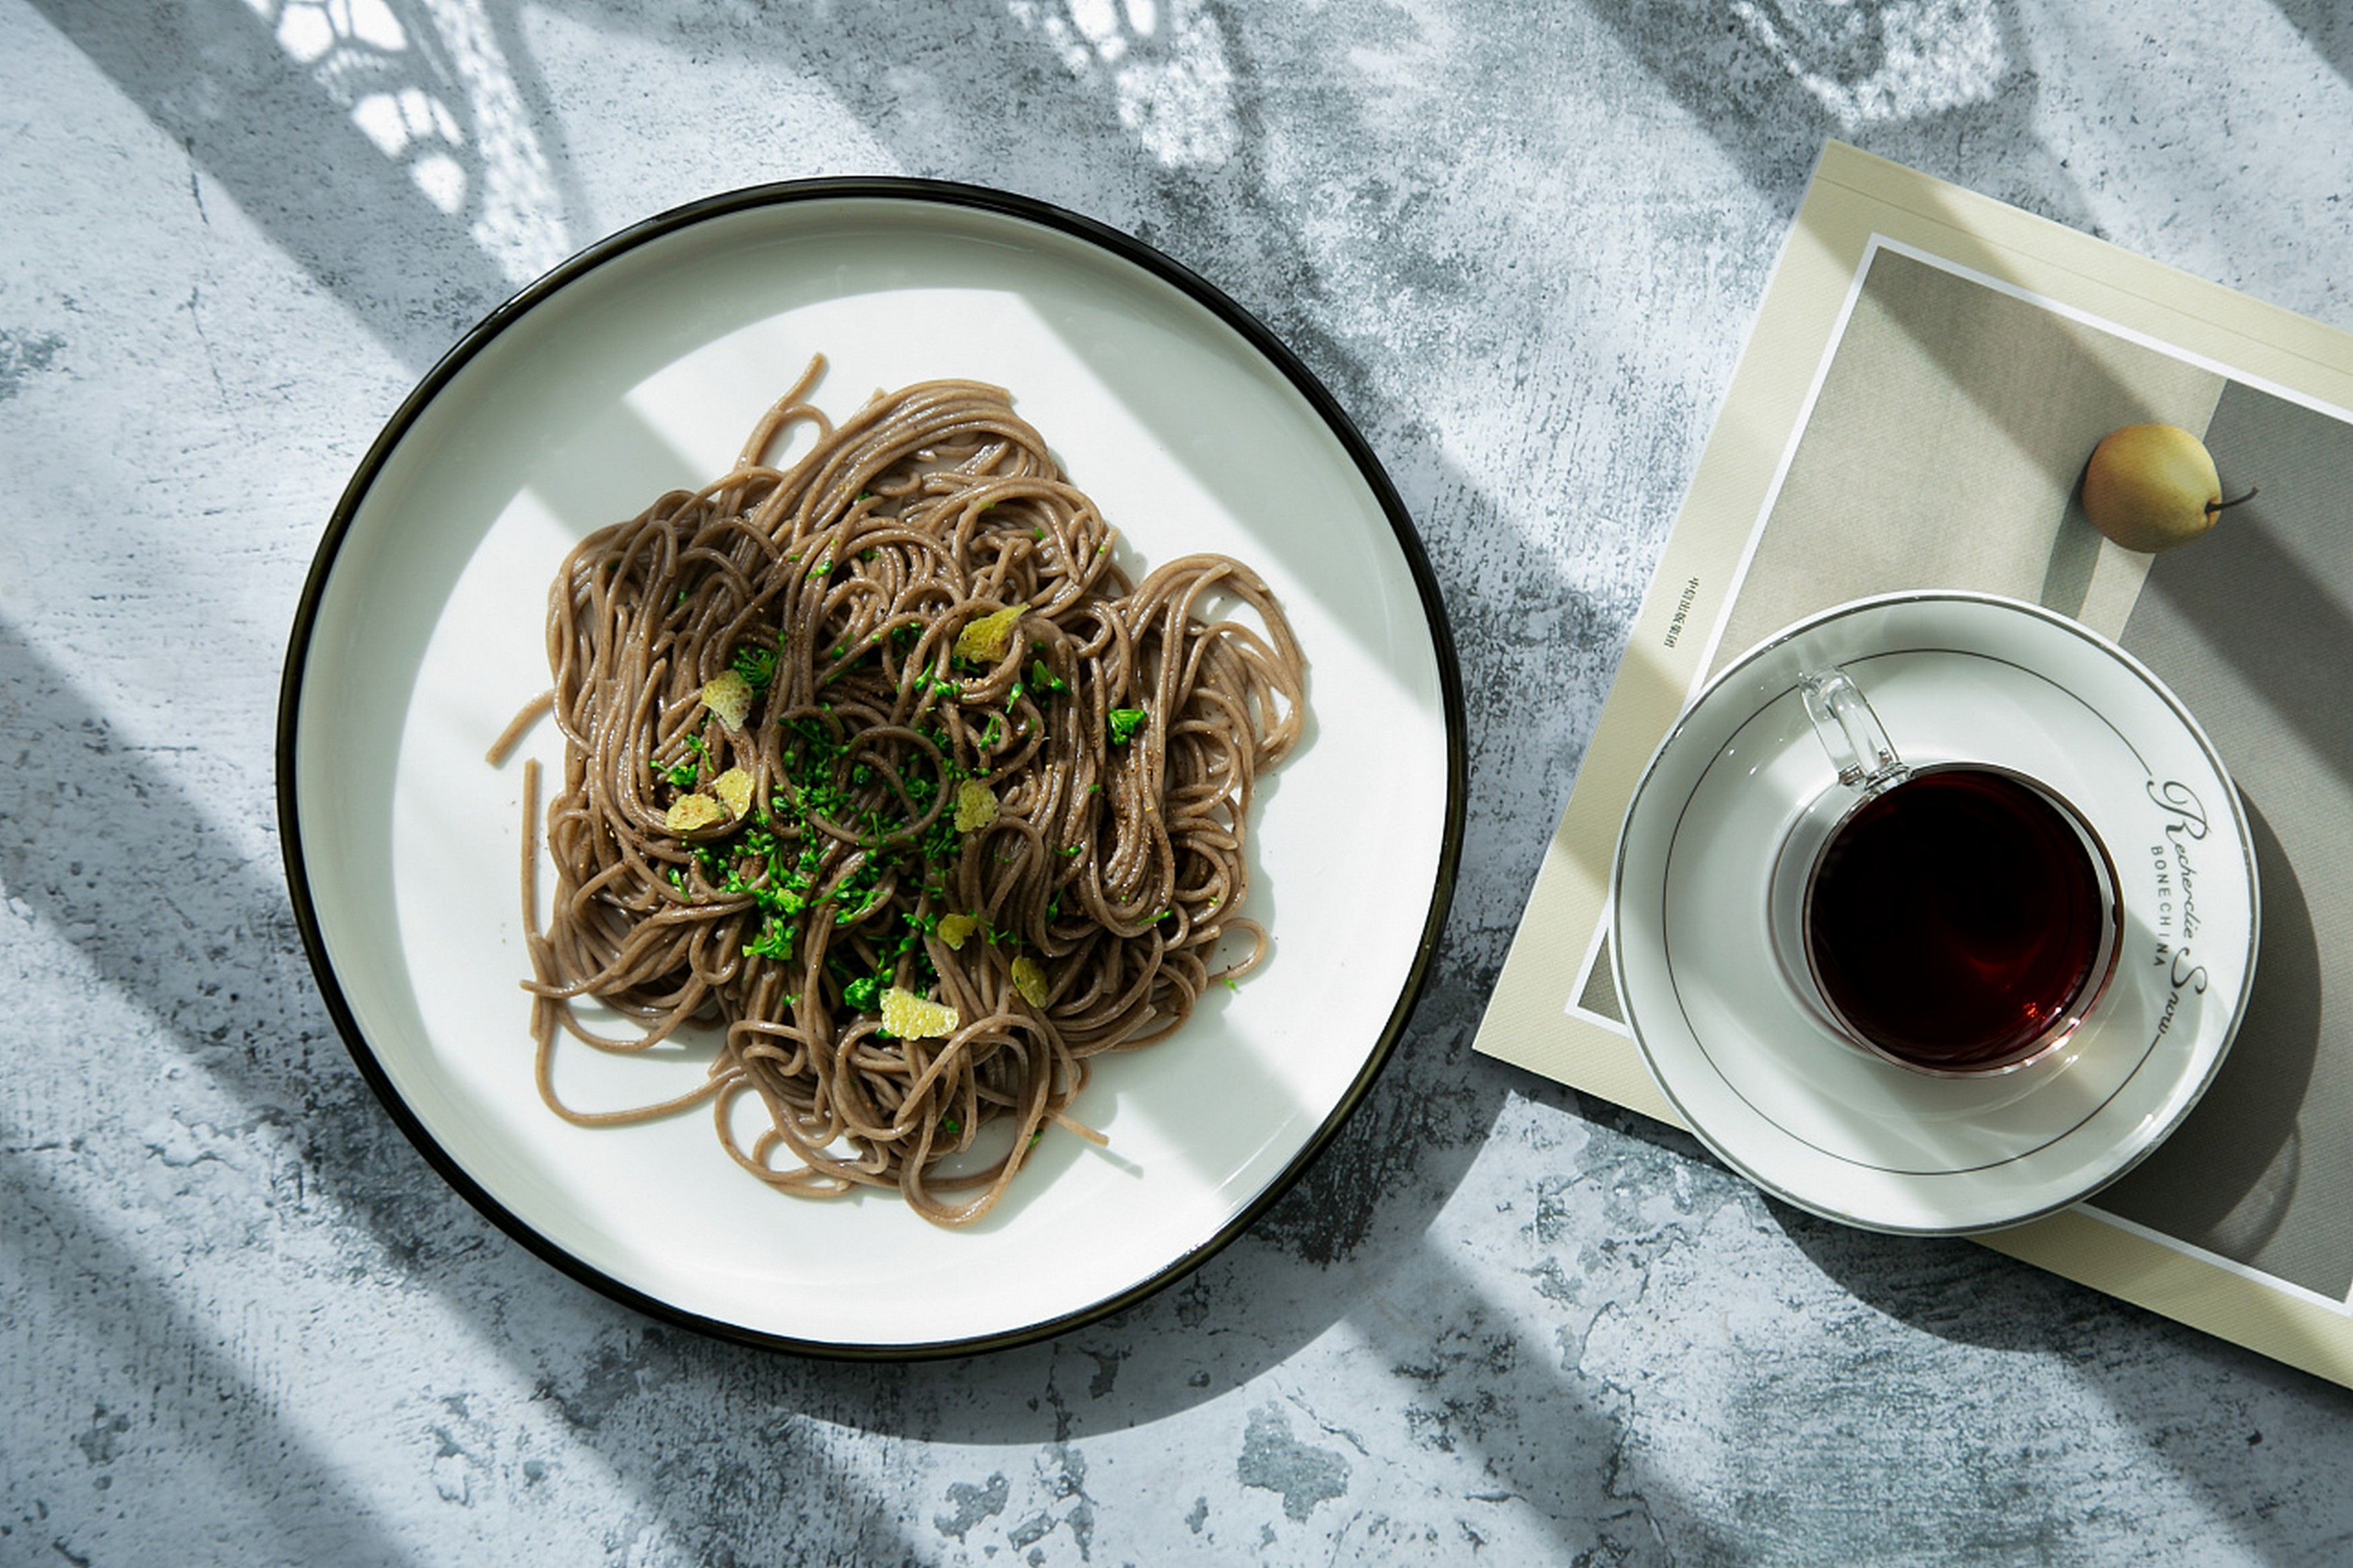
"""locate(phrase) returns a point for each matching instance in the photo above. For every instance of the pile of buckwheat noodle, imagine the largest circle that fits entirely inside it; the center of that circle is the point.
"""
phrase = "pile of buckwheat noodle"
(1033, 822)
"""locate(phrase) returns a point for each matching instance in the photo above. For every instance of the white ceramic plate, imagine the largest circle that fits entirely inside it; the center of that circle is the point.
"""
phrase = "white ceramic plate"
(637, 367)
(1762, 1079)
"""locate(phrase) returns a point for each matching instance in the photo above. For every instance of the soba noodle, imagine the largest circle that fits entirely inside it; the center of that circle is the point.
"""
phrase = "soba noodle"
(880, 761)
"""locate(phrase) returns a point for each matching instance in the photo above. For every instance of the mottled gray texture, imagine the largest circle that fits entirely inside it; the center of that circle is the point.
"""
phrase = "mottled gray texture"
(240, 1320)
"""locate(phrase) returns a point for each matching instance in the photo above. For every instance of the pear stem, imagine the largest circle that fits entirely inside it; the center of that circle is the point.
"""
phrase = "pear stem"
(2214, 506)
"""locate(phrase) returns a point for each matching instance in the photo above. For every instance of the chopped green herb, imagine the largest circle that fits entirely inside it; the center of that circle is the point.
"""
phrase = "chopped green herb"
(865, 993)
(774, 940)
(758, 665)
(1123, 724)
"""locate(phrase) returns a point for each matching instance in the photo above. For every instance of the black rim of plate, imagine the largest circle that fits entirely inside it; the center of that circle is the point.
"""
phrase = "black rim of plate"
(1122, 247)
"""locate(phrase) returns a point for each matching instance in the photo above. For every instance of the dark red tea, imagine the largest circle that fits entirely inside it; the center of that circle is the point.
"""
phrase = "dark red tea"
(1955, 918)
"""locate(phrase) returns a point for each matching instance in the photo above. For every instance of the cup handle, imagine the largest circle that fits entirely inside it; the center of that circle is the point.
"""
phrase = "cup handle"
(1850, 731)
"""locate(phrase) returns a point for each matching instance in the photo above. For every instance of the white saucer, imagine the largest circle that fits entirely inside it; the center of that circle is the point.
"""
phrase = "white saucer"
(1754, 1072)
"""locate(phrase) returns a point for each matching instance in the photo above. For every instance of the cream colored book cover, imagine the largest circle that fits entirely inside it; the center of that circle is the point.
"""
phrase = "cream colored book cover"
(1927, 376)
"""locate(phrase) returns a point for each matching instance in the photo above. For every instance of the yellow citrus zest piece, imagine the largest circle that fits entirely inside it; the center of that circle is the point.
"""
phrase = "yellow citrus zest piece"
(733, 789)
(983, 640)
(975, 806)
(1029, 979)
(913, 1017)
(728, 695)
(688, 811)
(954, 928)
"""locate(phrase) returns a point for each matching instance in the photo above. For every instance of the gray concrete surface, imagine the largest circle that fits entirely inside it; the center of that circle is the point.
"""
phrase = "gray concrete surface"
(242, 1321)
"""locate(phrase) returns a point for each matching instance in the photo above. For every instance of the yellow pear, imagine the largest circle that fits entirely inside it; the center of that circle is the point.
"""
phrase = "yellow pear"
(2152, 487)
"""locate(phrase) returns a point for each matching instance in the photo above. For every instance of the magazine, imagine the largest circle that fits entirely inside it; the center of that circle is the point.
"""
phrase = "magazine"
(1926, 377)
